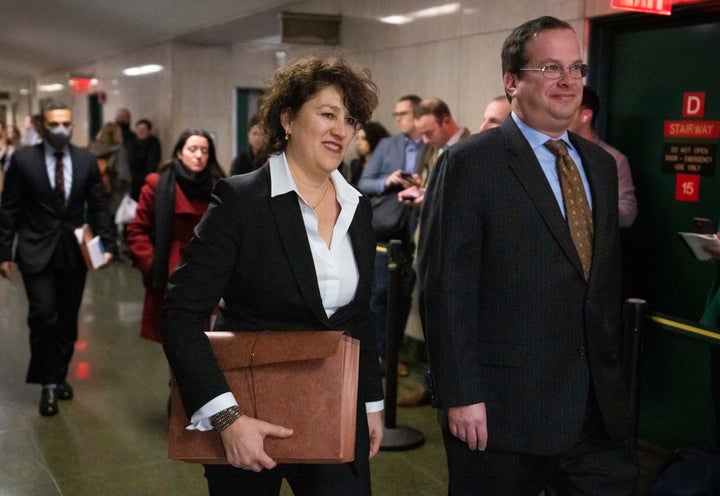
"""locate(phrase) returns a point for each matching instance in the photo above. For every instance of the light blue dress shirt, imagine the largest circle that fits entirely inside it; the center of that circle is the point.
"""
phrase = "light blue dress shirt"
(547, 160)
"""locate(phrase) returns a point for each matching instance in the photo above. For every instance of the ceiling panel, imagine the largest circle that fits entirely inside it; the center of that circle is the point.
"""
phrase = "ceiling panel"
(43, 35)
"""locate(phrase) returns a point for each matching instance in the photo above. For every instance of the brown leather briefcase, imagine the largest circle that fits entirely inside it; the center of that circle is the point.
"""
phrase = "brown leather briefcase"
(305, 380)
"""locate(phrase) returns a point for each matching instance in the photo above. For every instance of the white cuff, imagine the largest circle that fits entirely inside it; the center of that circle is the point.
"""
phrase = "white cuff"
(200, 421)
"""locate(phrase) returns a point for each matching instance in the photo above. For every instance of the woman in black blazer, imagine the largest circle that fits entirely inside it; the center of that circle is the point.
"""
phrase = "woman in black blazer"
(289, 246)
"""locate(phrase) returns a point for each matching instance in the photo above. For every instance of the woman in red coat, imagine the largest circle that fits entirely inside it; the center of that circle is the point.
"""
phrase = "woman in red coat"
(172, 201)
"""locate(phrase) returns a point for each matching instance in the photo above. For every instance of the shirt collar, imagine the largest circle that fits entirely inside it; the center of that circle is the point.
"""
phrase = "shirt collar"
(281, 181)
(50, 151)
(455, 137)
(536, 138)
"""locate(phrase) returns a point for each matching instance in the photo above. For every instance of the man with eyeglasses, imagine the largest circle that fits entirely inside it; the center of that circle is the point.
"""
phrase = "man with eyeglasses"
(394, 166)
(50, 189)
(519, 266)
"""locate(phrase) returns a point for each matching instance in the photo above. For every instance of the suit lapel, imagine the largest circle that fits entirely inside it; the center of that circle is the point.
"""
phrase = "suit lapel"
(76, 168)
(525, 166)
(291, 229)
(42, 172)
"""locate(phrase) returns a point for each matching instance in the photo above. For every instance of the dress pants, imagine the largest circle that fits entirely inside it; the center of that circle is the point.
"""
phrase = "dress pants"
(592, 466)
(54, 297)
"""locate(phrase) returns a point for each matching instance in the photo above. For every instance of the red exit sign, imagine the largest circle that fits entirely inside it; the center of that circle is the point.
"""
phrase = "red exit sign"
(662, 7)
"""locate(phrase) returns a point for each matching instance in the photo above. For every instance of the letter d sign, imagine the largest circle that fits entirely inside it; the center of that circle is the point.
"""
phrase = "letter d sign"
(694, 105)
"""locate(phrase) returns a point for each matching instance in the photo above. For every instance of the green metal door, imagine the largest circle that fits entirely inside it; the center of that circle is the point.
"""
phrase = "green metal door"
(647, 66)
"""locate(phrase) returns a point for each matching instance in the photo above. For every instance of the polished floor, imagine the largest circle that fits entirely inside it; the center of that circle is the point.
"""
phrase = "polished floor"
(111, 439)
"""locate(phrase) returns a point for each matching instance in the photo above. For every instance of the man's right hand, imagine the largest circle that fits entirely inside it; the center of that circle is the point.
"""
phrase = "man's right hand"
(243, 442)
(469, 424)
(7, 269)
(402, 179)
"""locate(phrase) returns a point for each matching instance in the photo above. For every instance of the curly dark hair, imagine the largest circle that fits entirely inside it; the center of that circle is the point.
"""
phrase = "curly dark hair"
(297, 83)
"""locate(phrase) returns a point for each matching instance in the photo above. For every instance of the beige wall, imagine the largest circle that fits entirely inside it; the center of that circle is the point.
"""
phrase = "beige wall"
(454, 57)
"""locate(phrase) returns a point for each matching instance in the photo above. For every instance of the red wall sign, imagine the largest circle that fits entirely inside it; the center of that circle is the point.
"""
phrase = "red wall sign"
(692, 129)
(687, 187)
(694, 105)
(80, 85)
(662, 7)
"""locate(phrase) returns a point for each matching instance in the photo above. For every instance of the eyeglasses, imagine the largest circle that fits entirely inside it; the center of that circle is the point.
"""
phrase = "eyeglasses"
(556, 71)
(400, 114)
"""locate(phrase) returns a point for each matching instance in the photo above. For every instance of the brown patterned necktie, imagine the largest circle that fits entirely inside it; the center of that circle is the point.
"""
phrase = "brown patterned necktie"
(59, 179)
(577, 209)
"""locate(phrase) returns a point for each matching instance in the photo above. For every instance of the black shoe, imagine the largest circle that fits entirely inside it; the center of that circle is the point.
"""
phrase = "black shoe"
(64, 391)
(48, 402)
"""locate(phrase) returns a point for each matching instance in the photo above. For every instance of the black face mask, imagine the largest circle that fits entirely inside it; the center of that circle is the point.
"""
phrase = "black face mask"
(58, 137)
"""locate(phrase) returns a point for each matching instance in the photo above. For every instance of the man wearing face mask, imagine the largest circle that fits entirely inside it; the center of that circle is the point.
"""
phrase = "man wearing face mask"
(49, 189)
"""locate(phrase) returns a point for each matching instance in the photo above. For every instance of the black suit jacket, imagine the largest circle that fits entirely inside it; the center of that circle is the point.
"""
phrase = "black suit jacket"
(30, 209)
(509, 318)
(252, 251)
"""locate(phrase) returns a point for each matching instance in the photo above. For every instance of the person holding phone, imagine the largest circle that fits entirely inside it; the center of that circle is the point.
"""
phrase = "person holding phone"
(394, 166)
(439, 131)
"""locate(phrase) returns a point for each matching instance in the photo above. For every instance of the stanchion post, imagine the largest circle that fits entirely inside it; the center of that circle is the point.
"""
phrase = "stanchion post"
(393, 345)
(395, 438)
(634, 312)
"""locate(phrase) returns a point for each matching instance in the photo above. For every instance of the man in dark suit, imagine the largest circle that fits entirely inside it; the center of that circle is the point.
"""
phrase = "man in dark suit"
(48, 191)
(522, 322)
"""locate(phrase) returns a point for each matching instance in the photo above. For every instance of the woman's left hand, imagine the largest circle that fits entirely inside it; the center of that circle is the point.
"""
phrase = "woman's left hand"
(375, 426)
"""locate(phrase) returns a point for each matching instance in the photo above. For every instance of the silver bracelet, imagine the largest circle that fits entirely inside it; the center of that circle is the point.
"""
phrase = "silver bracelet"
(224, 418)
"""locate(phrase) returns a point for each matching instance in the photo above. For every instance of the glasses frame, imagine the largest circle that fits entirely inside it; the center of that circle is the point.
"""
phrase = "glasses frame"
(584, 68)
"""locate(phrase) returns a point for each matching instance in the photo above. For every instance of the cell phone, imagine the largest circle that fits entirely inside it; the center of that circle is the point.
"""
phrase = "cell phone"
(406, 175)
(408, 197)
(704, 226)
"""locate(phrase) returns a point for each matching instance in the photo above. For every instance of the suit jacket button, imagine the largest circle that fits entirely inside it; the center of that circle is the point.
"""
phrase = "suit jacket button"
(581, 350)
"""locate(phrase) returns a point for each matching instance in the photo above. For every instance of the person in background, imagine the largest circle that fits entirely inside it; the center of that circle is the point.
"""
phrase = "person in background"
(13, 136)
(584, 125)
(33, 128)
(520, 286)
(7, 147)
(711, 318)
(4, 158)
(289, 246)
(113, 163)
(253, 157)
(122, 118)
(496, 111)
(172, 201)
(145, 156)
(439, 131)
(394, 165)
(50, 189)
(365, 142)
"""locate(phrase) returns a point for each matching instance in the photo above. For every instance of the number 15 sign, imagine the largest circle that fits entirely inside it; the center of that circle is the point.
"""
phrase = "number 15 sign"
(687, 187)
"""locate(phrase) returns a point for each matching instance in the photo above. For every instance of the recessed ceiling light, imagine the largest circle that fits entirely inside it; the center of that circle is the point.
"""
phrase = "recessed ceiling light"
(50, 87)
(448, 8)
(142, 70)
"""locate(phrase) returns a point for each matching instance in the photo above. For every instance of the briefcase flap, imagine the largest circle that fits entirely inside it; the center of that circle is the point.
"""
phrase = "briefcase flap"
(272, 347)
